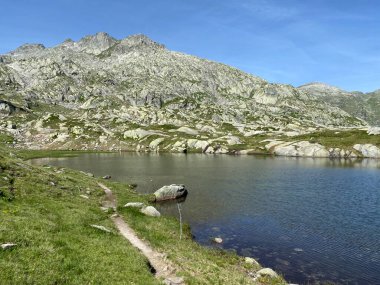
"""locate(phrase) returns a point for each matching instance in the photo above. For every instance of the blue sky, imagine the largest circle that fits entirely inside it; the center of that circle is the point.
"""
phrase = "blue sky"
(286, 41)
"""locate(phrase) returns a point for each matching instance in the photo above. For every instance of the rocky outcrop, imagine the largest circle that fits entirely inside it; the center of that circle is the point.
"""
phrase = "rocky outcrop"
(374, 131)
(357, 104)
(307, 149)
(170, 192)
(368, 150)
(303, 149)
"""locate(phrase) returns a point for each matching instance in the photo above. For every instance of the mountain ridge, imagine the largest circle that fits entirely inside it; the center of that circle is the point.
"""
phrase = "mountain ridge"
(121, 92)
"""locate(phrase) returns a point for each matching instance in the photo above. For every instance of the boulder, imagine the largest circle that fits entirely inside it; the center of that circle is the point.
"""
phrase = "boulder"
(188, 131)
(250, 260)
(170, 192)
(154, 145)
(150, 211)
(198, 144)
(267, 272)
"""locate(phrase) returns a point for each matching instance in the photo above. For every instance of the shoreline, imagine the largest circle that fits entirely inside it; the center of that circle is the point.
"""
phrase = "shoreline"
(161, 233)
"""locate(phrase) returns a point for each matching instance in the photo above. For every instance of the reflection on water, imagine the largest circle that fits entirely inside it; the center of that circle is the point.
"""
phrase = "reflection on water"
(310, 219)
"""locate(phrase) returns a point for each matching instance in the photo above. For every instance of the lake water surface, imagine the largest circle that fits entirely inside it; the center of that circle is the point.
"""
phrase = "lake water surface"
(313, 220)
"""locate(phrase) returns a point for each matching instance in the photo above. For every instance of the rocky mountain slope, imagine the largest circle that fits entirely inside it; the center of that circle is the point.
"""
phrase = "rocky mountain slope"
(104, 93)
(362, 105)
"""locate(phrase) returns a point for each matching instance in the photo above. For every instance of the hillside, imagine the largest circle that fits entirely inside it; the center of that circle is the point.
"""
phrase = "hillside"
(135, 94)
(362, 105)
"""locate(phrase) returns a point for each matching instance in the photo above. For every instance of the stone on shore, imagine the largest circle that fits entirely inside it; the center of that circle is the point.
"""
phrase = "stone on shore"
(150, 211)
(134, 205)
(102, 228)
(267, 272)
(7, 245)
(174, 281)
(250, 260)
(170, 192)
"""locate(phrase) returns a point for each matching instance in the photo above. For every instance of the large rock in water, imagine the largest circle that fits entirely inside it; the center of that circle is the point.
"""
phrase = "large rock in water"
(170, 192)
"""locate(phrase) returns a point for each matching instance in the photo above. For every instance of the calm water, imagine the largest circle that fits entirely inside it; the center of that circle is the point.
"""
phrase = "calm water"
(313, 220)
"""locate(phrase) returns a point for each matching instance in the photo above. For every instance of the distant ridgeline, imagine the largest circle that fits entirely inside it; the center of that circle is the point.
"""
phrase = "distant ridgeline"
(134, 94)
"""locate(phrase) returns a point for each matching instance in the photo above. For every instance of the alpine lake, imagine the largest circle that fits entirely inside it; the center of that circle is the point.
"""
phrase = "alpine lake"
(315, 221)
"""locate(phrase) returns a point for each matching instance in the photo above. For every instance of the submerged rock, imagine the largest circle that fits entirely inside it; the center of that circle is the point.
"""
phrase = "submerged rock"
(150, 211)
(170, 192)
(218, 240)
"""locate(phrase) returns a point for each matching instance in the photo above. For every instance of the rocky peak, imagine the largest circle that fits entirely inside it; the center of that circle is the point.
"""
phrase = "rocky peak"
(322, 89)
(139, 41)
(27, 49)
(96, 43)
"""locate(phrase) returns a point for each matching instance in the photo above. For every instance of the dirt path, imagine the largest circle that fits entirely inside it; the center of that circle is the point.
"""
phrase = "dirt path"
(162, 267)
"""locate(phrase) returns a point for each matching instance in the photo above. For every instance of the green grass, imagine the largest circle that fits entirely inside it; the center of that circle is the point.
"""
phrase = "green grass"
(50, 223)
(341, 139)
(29, 154)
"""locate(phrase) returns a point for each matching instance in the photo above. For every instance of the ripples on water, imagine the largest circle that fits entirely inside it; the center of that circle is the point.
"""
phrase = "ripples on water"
(313, 220)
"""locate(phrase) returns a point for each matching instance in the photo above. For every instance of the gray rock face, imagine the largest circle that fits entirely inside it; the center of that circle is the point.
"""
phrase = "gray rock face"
(357, 104)
(307, 149)
(27, 49)
(374, 131)
(170, 192)
(303, 149)
(150, 211)
(368, 150)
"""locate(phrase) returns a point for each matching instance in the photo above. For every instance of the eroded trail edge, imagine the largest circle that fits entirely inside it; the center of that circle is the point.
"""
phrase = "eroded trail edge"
(163, 268)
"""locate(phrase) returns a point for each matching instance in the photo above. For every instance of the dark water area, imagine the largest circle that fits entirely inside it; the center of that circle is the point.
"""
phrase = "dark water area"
(312, 220)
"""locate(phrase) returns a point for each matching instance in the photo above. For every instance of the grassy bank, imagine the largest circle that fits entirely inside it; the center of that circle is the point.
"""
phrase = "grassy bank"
(43, 212)
(345, 139)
